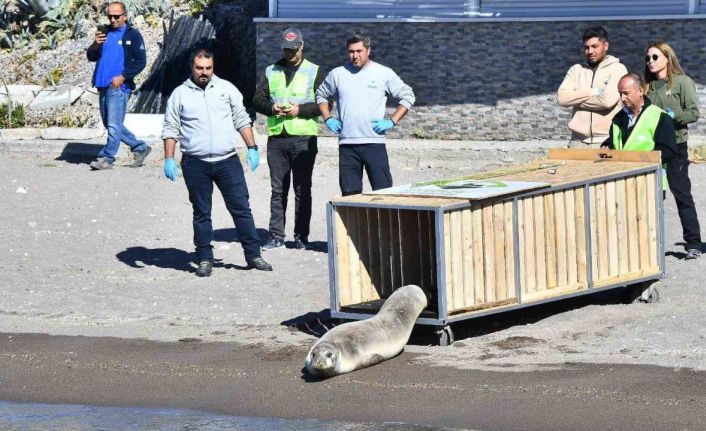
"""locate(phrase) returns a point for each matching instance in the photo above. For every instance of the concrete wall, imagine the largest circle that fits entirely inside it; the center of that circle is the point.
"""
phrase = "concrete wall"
(490, 80)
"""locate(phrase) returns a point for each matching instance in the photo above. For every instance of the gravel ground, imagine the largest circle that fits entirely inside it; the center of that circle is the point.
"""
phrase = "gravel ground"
(107, 254)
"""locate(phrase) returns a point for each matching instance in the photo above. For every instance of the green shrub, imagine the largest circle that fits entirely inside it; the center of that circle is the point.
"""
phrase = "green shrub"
(12, 115)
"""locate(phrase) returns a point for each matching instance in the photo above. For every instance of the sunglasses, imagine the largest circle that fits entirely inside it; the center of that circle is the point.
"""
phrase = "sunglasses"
(653, 57)
(115, 17)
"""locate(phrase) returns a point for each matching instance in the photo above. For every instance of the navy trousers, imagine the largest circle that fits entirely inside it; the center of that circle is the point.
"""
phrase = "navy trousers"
(228, 176)
(352, 158)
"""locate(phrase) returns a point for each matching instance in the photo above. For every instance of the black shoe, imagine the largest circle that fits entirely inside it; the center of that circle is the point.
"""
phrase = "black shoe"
(140, 157)
(259, 264)
(692, 253)
(205, 267)
(301, 243)
(275, 241)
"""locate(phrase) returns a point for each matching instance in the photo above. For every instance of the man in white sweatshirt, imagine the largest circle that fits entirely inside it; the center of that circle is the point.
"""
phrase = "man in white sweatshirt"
(591, 89)
(359, 88)
(203, 114)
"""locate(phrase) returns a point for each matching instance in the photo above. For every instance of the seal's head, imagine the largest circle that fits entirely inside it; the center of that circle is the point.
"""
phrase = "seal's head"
(322, 360)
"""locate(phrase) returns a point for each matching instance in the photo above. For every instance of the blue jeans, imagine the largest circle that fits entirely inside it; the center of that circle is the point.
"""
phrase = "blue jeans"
(228, 175)
(113, 105)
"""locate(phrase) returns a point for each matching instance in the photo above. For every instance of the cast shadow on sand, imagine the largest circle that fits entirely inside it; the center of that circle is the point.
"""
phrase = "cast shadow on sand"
(78, 153)
(168, 258)
(680, 254)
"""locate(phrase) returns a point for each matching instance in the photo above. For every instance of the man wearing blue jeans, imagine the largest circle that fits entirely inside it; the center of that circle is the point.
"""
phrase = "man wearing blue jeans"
(204, 114)
(120, 55)
(360, 89)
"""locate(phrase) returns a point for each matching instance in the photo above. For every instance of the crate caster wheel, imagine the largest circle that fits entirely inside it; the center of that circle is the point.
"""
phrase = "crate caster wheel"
(444, 336)
(650, 295)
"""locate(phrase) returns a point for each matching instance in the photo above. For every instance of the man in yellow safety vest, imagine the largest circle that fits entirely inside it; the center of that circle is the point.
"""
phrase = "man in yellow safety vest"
(285, 94)
(640, 125)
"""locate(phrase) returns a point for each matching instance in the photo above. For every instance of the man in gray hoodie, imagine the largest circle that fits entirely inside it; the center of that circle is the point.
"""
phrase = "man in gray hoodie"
(203, 114)
(359, 88)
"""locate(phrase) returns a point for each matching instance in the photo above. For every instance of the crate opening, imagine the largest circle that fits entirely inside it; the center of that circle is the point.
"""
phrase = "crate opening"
(379, 250)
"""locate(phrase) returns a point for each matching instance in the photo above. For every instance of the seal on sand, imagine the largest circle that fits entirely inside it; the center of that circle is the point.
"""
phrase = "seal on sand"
(360, 344)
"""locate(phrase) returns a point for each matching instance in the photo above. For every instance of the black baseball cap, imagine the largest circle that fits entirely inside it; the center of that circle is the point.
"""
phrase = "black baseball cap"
(291, 38)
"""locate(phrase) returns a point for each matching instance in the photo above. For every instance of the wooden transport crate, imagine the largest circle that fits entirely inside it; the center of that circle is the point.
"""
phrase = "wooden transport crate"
(596, 225)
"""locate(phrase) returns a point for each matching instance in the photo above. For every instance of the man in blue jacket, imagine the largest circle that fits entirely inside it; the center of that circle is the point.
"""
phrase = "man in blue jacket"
(120, 56)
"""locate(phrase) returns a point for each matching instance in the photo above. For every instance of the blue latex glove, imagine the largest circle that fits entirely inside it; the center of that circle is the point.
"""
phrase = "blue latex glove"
(334, 125)
(253, 159)
(669, 112)
(170, 169)
(382, 126)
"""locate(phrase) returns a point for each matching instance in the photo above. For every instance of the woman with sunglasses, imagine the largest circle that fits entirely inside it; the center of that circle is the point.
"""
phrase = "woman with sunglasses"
(668, 87)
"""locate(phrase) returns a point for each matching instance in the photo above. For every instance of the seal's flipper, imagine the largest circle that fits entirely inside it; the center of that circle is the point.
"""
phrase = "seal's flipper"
(371, 360)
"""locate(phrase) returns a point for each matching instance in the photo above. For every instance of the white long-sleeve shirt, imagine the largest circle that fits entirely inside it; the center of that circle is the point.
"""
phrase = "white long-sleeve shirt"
(360, 96)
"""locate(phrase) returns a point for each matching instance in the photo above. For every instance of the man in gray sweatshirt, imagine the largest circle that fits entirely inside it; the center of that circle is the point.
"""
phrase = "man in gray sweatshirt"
(359, 88)
(203, 114)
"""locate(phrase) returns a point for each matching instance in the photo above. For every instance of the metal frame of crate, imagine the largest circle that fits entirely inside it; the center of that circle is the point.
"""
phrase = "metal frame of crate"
(598, 226)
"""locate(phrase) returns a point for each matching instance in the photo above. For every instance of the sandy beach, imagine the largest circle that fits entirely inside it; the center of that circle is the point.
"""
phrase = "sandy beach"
(99, 305)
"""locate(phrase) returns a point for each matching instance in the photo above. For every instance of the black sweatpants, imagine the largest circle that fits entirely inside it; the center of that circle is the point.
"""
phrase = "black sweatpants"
(291, 156)
(352, 158)
(680, 186)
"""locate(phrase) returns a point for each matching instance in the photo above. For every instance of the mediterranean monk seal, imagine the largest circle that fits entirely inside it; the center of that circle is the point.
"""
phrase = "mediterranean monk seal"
(360, 344)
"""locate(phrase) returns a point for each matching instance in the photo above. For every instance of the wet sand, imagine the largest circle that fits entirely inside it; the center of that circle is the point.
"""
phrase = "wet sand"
(242, 380)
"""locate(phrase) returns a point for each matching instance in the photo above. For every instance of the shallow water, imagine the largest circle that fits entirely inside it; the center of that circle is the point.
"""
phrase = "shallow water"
(55, 417)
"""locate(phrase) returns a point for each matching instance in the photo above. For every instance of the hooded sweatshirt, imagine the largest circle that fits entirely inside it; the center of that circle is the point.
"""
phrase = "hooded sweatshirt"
(205, 121)
(592, 114)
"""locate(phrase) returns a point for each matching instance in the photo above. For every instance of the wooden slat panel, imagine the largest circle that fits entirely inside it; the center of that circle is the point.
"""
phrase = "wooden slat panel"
(601, 231)
(478, 250)
(342, 272)
(522, 244)
(366, 287)
(469, 296)
(562, 275)
(622, 221)
(384, 240)
(499, 246)
(594, 231)
(642, 222)
(652, 217)
(632, 226)
(373, 247)
(409, 246)
(530, 246)
(353, 255)
(457, 259)
(569, 171)
(615, 155)
(448, 253)
(395, 262)
(431, 217)
(581, 256)
(571, 242)
(423, 246)
(611, 221)
(540, 241)
(550, 239)
(509, 251)
(488, 253)
(393, 201)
